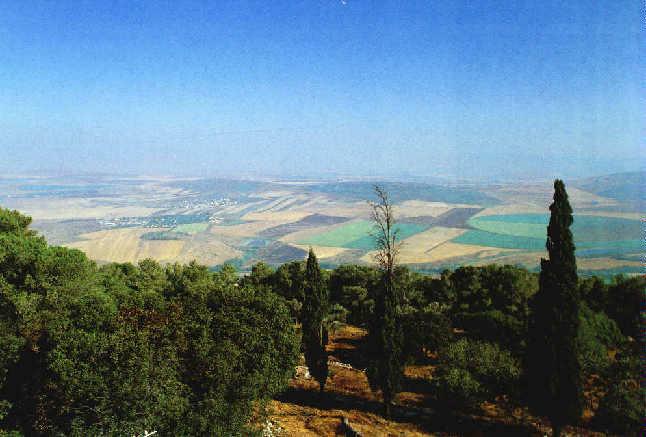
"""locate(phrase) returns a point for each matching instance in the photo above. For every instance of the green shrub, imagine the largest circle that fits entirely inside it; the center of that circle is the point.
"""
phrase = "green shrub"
(496, 327)
(425, 330)
(458, 387)
(360, 306)
(625, 298)
(495, 371)
(597, 334)
(621, 410)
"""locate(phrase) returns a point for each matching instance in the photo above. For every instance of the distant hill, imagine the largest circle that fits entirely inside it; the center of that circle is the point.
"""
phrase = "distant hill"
(402, 191)
(624, 187)
(344, 190)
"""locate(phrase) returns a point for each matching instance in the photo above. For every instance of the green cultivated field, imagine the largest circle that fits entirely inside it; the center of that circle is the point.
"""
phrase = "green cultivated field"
(594, 236)
(504, 241)
(356, 235)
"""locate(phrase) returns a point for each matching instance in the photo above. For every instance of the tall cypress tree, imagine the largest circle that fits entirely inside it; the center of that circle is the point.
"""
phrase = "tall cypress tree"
(315, 306)
(552, 364)
(385, 336)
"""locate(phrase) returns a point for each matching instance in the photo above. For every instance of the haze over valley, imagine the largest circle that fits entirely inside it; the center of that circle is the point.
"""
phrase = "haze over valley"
(242, 222)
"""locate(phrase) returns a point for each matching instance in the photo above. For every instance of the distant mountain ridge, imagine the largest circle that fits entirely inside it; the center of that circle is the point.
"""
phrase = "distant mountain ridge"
(624, 187)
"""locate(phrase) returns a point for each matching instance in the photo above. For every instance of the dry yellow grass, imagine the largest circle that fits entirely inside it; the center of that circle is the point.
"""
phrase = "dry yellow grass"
(513, 209)
(207, 250)
(417, 208)
(438, 248)
(286, 216)
(126, 245)
(449, 250)
(419, 248)
(123, 245)
(75, 208)
(305, 421)
(514, 257)
(242, 230)
(347, 394)
(280, 202)
(355, 210)
(323, 252)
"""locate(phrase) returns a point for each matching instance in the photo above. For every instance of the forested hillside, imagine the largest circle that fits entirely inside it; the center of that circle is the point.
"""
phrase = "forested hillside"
(182, 350)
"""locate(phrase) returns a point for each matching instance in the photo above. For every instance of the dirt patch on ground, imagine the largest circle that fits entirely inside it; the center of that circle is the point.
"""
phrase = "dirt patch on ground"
(303, 411)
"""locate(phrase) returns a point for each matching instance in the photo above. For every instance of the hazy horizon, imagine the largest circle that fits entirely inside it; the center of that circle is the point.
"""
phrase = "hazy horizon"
(447, 90)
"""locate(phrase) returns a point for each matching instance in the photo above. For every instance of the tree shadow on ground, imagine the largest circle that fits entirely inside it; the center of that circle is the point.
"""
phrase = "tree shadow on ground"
(434, 421)
(351, 353)
(416, 385)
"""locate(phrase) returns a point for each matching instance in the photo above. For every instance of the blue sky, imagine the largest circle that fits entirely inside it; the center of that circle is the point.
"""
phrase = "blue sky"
(487, 90)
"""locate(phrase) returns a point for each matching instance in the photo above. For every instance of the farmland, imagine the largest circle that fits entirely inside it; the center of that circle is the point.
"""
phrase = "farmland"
(357, 235)
(593, 234)
(243, 222)
(191, 228)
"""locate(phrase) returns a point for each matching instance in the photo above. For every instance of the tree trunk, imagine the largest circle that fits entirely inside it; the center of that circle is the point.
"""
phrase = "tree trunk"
(387, 409)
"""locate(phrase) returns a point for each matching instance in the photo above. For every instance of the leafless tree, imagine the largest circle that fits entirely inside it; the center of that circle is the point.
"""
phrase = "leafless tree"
(385, 234)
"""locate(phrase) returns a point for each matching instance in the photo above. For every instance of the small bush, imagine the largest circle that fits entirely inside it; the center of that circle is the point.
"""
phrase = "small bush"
(458, 387)
(621, 410)
(485, 369)
(597, 334)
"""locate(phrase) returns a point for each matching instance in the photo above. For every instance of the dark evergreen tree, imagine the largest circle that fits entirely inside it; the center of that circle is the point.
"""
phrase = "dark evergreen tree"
(385, 336)
(552, 363)
(315, 306)
(386, 367)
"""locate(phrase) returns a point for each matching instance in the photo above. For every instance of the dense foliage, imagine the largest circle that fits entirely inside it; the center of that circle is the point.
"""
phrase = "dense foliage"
(124, 348)
(470, 372)
(598, 335)
(385, 345)
(621, 410)
(485, 310)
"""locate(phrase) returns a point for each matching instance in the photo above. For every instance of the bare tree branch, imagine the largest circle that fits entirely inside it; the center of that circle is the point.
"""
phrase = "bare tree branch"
(385, 234)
